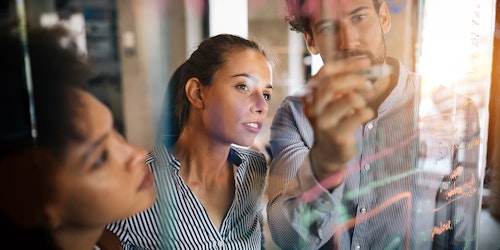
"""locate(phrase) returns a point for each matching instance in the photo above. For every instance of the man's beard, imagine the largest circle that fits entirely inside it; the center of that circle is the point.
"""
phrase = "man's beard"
(345, 54)
(378, 59)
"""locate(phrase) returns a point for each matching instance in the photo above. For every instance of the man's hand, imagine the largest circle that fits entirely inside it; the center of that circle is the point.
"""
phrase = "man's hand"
(335, 108)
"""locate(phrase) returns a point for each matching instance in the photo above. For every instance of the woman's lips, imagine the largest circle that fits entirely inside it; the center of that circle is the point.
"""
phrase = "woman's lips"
(253, 126)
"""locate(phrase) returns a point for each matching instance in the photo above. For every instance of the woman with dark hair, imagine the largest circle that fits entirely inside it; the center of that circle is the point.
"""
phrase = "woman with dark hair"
(210, 188)
(65, 173)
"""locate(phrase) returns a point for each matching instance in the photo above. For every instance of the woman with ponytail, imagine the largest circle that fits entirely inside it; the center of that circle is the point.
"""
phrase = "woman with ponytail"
(211, 185)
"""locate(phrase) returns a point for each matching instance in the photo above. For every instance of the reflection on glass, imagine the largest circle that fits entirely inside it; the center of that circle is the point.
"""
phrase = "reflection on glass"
(415, 179)
(455, 59)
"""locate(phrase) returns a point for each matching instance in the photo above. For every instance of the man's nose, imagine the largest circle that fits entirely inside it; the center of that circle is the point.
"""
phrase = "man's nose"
(348, 37)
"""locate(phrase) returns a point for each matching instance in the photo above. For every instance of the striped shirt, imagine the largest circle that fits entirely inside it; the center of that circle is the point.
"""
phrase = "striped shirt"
(179, 221)
(394, 196)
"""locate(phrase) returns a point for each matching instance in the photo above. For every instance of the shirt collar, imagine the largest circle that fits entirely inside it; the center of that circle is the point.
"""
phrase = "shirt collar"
(235, 156)
(161, 155)
(404, 88)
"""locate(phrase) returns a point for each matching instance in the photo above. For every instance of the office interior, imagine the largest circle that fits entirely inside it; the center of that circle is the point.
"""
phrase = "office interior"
(135, 45)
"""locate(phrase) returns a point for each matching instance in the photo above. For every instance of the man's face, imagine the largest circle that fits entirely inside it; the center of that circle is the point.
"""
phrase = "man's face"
(350, 29)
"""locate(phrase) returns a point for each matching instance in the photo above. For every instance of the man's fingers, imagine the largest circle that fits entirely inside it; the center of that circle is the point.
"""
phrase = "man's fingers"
(333, 112)
(343, 66)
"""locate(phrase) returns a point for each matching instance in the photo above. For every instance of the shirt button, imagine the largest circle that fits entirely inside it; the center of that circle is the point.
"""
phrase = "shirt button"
(325, 202)
(357, 247)
(220, 243)
(370, 125)
(367, 167)
(363, 210)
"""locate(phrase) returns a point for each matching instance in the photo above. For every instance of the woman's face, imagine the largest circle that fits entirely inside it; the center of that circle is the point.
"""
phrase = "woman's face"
(106, 178)
(236, 103)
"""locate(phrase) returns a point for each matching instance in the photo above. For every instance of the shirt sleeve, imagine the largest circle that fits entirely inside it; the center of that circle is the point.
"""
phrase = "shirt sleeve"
(139, 232)
(301, 213)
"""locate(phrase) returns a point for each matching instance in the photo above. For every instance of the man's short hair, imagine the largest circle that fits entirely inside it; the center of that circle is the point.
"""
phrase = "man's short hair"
(299, 13)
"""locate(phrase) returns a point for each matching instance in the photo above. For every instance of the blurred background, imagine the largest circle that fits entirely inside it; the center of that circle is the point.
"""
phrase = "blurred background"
(136, 45)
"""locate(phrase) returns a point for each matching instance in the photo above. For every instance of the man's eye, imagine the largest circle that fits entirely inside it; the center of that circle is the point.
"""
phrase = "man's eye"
(358, 18)
(330, 29)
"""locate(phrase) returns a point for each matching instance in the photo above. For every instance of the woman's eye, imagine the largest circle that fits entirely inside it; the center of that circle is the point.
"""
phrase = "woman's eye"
(242, 87)
(267, 97)
(103, 158)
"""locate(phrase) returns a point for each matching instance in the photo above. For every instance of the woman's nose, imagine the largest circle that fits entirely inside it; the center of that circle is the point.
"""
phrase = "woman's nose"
(136, 155)
(260, 105)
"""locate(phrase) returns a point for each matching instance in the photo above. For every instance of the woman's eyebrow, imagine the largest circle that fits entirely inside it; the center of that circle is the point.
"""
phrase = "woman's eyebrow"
(252, 78)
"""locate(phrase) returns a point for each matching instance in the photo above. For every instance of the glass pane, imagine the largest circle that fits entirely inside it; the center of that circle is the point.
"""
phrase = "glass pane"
(417, 178)
(455, 66)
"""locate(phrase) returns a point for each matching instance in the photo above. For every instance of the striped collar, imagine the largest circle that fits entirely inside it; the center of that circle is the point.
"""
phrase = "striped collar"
(163, 157)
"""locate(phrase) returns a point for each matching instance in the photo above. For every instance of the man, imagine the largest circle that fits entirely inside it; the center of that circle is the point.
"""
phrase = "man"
(349, 169)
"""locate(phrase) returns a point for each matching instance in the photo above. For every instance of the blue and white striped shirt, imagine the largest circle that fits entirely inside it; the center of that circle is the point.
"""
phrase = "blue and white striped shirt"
(179, 221)
(413, 183)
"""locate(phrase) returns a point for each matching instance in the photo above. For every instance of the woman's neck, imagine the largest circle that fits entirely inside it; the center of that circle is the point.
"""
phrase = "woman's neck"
(77, 238)
(201, 157)
(205, 169)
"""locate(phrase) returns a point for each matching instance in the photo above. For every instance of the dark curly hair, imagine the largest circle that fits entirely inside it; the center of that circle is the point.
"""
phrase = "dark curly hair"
(29, 162)
(55, 68)
(299, 14)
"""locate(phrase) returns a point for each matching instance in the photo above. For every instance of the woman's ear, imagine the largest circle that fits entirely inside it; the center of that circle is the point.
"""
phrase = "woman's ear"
(193, 92)
(54, 216)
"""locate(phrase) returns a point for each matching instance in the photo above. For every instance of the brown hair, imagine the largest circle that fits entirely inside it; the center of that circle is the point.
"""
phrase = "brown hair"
(299, 13)
(204, 62)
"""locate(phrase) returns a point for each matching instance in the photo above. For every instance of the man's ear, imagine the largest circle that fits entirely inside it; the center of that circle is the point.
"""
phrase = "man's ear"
(385, 17)
(193, 92)
(311, 45)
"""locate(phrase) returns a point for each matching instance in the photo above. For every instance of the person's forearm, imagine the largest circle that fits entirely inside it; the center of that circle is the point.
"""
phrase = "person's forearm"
(329, 174)
(302, 214)
(295, 224)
